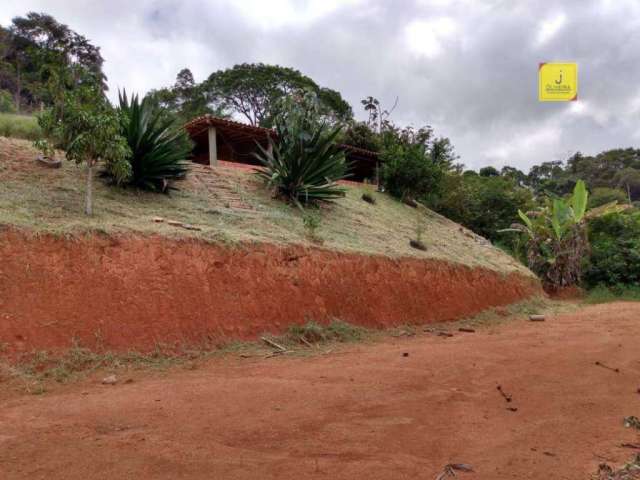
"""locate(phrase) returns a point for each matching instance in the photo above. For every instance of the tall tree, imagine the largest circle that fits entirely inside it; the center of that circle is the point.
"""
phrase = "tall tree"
(91, 129)
(254, 90)
(36, 48)
(185, 99)
(379, 117)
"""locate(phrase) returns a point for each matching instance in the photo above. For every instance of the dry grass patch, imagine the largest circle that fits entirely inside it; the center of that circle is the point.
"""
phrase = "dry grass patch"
(228, 205)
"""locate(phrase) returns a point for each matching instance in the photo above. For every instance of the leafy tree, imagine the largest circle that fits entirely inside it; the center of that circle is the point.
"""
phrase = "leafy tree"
(304, 165)
(37, 45)
(158, 149)
(489, 172)
(379, 117)
(443, 154)
(518, 176)
(408, 171)
(603, 195)
(185, 100)
(615, 249)
(550, 177)
(618, 168)
(359, 134)
(629, 180)
(93, 128)
(255, 91)
(482, 204)
(414, 164)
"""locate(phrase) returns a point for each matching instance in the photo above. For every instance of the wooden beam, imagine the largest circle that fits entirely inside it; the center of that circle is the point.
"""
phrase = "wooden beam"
(213, 147)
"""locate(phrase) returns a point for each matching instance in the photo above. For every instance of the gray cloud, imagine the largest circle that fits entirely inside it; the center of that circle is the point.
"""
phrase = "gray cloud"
(469, 68)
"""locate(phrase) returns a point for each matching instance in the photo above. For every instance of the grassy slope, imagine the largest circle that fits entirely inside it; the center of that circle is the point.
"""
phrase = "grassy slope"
(230, 206)
(19, 126)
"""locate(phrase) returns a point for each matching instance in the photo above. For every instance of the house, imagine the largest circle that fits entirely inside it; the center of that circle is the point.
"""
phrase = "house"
(219, 139)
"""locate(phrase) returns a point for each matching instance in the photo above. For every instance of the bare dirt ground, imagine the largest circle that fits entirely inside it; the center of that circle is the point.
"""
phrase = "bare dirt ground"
(367, 411)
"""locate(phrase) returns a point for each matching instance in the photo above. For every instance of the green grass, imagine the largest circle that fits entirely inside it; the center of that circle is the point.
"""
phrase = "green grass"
(336, 331)
(43, 200)
(19, 126)
(619, 293)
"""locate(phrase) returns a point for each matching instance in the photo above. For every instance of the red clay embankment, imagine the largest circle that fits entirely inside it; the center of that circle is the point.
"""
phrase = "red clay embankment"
(133, 292)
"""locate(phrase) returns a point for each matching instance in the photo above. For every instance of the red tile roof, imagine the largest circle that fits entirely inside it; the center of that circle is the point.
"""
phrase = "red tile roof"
(198, 124)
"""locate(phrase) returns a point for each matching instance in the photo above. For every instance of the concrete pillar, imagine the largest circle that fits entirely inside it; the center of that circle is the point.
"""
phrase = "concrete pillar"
(213, 147)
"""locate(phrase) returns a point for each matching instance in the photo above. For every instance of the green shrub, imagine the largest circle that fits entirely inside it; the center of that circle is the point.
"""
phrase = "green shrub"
(603, 195)
(311, 222)
(159, 150)
(484, 205)
(615, 249)
(407, 171)
(304, 165)
(7, 104)
(615, 293)
(19, 126)
(337, 330)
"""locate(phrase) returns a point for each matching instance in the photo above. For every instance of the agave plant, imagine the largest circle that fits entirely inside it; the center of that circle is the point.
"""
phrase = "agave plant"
(159, 150)
(556, 237)
(304, 165)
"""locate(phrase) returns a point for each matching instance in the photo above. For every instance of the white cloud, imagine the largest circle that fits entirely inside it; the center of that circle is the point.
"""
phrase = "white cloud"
(467, 67)
(274, 14)
(427, 37)
(541, 139)
(549, 28)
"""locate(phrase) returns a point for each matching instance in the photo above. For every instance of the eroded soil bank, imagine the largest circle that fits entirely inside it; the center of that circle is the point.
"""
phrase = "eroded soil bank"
(134, 292)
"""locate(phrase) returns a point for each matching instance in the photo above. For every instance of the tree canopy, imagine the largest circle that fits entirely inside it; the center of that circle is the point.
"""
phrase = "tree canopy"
(40, 56)
(186, 99)
(253, 90)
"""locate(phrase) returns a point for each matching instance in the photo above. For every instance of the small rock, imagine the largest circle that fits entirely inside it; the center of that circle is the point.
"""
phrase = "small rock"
(405, 354)
(174, 223)
(418, 245)
(158, 219)
(129, 380)
(467, 330)
(110, 380)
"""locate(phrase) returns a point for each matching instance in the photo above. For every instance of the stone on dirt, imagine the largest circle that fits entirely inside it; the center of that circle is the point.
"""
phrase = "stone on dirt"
(110, 380)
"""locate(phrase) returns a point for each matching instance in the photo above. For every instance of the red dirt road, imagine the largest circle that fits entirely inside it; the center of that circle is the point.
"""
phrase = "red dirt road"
(368, 412)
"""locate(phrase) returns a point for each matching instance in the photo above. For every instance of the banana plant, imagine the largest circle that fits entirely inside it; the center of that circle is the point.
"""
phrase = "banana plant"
(556, 237)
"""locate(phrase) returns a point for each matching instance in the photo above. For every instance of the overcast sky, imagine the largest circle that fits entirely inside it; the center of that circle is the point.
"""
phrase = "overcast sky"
(468, 68)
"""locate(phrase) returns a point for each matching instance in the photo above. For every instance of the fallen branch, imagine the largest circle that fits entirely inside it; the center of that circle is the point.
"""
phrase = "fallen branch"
(600, 364)
(273, 344)
(467, 330)
(450, 469)
(305, 341)
(508, 398)
(631, 445)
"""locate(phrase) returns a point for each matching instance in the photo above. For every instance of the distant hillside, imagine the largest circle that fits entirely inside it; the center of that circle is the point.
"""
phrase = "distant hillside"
(228, 205)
